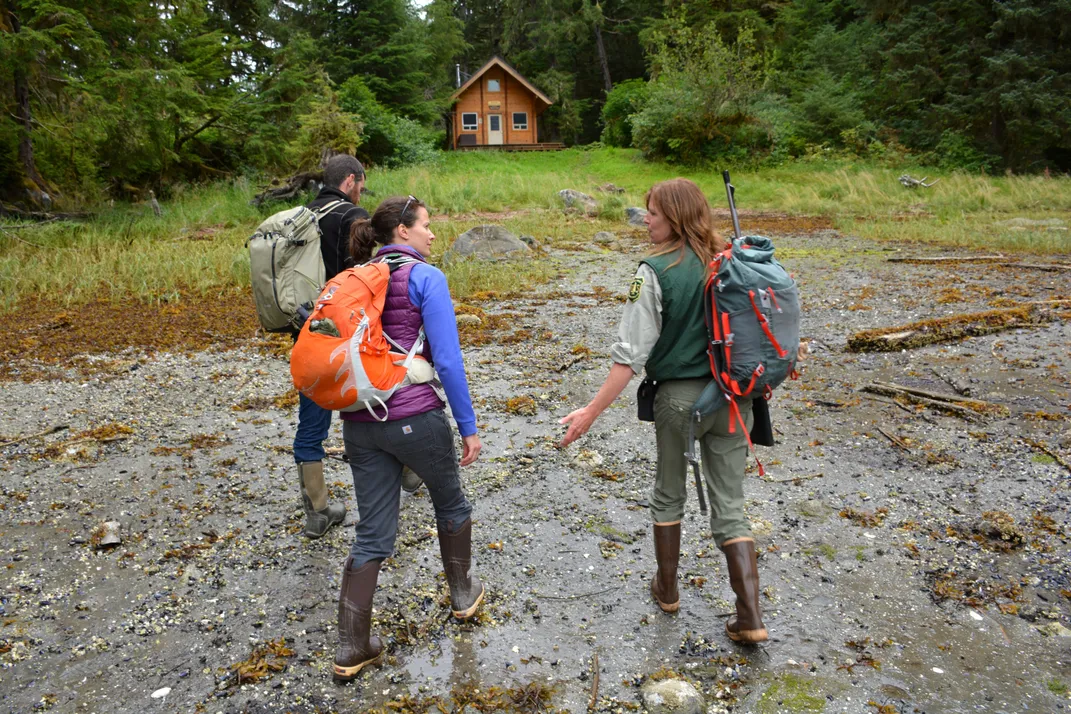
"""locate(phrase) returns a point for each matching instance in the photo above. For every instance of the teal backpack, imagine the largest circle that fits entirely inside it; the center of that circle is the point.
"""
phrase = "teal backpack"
(752, 308)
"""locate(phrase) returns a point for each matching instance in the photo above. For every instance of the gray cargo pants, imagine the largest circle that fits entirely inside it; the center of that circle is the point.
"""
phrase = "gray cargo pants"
(723, 459)
(377, 452)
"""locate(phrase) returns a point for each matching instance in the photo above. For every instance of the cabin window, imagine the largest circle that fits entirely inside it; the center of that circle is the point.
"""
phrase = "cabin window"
(520, 121)
(492, 86)
(468, 121)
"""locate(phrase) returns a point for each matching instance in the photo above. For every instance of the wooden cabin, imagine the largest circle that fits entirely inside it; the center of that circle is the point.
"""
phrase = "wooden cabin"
(497, 108)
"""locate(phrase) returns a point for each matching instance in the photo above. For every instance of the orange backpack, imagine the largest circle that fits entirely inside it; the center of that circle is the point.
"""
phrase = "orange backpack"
(353, 366)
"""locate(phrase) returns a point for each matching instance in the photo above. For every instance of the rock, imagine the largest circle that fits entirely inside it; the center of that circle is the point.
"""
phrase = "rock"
(485, 242)
(672, 696)
(530, 241)
(473, 320)
(635, 216)
(576, 199)
(161, 693)
(611, 188)
(604, 237)
(1054, 629)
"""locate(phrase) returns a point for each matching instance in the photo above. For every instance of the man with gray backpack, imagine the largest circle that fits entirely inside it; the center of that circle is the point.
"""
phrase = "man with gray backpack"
(292, 254)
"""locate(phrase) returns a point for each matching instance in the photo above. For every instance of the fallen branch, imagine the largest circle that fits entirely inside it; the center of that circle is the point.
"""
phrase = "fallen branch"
(571, 362)
(594, 682)
(573, 597)
(27, 437)
(793, 479)
(909, 182)
(896, 440)
(958, 387)
(916, 259)
(1042, 447)
(1050, 267)
(290, 189)
(895, 403)
(946, 329)
(960, 406)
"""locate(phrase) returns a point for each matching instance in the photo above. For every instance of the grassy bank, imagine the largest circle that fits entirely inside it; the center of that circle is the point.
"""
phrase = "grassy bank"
(197, 246)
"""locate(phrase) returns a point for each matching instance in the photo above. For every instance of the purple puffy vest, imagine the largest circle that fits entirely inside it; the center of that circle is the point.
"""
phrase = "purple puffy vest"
(401, 321)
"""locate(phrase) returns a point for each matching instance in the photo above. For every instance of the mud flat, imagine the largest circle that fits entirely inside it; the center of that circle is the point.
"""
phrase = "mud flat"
(911, 559)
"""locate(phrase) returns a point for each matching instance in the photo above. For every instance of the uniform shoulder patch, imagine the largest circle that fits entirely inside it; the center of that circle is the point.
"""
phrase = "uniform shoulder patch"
(635, 288)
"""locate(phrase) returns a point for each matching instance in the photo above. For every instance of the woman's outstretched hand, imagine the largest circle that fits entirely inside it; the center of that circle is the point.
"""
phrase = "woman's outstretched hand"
(470, 449)
(579, 422)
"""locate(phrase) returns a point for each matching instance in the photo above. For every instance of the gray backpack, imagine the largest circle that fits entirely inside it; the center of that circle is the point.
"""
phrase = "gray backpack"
(286, 268)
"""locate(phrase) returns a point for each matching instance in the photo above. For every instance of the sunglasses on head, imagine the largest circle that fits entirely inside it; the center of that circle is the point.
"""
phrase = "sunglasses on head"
(409, 201)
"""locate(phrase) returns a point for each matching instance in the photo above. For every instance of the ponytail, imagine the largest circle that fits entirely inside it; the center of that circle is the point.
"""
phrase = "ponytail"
(365, 233)
(363, 239)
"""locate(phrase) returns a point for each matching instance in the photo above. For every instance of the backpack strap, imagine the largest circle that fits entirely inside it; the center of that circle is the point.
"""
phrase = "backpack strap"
(327, 208)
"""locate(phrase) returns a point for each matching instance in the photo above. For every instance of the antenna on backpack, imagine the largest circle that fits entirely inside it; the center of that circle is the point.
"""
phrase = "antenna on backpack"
(730, 191)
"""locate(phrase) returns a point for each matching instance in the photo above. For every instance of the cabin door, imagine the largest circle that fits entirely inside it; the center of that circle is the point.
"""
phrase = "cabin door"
(494, 129)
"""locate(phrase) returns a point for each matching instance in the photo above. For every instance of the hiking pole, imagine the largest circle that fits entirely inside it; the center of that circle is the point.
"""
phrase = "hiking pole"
(730, 191)
(697, 416)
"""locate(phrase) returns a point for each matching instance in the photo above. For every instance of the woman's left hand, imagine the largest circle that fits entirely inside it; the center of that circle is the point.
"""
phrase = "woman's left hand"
(579, 422)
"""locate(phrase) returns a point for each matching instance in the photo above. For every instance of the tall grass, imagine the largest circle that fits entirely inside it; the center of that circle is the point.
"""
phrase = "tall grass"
(197, 245)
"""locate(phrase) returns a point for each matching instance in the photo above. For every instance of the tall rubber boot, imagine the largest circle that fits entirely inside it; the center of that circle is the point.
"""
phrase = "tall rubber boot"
(411, 483)
(319, 516)
(667, 548)
(746, 625)
(356, 648)
(466, 590)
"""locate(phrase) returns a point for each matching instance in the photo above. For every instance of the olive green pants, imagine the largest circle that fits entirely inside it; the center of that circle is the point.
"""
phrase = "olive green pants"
(723, 457)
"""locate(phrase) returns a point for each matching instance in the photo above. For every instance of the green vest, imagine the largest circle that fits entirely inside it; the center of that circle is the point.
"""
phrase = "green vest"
(681, 350)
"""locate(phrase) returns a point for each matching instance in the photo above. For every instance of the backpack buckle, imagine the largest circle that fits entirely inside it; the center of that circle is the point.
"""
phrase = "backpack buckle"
(764, 298)
(729, 340)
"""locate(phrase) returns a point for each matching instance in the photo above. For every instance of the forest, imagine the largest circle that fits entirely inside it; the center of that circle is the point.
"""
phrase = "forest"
(113, 98)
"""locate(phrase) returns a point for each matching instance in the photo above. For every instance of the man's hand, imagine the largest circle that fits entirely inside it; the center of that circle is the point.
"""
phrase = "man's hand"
(579, 422)
(470, 449)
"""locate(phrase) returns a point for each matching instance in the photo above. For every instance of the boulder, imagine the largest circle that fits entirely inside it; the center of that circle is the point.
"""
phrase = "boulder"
(635, 216)
(466, 319)
(484, 243)
(576, 199)
(672, 696)
(603, 237)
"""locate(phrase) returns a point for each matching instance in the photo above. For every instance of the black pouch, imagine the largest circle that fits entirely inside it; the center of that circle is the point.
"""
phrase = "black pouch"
(762, 427)
(645, 399)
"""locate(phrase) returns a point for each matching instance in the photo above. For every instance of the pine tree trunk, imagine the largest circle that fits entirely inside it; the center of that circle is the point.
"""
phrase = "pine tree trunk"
(24, 118)
(602, 58)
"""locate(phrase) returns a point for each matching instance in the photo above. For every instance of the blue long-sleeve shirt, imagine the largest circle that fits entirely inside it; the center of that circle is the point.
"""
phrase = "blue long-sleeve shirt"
(429, 292)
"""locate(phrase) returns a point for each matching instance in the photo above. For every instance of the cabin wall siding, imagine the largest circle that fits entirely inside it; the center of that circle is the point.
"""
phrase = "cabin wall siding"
(512, 96)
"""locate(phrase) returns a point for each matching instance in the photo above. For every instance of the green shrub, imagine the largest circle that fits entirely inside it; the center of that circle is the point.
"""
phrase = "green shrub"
(622, 102)
(700, 98)
(955, 151)
(389, 140)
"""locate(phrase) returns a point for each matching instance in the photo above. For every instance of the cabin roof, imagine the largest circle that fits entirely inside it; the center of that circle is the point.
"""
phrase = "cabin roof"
(499, 62)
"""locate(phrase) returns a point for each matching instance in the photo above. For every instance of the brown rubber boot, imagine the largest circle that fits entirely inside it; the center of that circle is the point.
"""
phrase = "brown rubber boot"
(356, 648)
(746, 625)
(667, 548)
(411, 483)
(319, 516)
(466, 590)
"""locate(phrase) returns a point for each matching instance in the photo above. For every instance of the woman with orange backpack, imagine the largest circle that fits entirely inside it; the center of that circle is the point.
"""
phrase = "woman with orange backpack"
(663, 331)
(411, 431)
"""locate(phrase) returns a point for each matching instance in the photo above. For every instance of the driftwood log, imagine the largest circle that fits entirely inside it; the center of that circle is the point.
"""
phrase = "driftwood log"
(40, 216)
(947, 329)
(999, 261)
(288, 189)
(954, 404)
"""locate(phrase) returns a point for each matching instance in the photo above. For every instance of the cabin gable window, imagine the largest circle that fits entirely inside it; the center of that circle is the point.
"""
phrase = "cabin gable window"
(469, 121)
(493, 86)
(520, 121)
